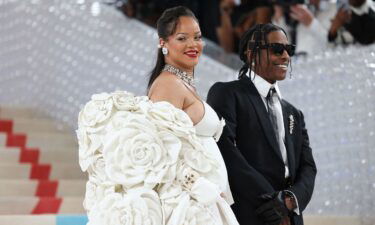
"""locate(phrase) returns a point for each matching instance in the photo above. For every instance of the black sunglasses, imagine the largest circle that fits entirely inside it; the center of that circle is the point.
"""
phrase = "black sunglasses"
(277, 48)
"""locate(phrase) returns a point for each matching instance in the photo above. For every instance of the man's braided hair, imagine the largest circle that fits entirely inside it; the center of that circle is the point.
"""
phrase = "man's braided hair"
(258, 36)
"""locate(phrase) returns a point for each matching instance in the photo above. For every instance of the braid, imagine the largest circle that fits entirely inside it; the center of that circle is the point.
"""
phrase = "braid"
(243, 71)
(257, 36)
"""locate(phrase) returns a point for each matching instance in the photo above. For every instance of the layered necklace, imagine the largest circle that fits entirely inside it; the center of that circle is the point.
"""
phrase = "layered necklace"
(187, 77)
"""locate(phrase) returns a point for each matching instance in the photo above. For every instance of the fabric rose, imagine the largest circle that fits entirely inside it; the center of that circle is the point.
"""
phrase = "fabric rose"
(197, 158)
(140, 155)
(126, 101)
(95, 193)
(197, 215)
(118, 121)
(89, 145)
(168, 117)
(139, 206)
(204, 191)
(95, 112)
(97, 172)
(184, 210)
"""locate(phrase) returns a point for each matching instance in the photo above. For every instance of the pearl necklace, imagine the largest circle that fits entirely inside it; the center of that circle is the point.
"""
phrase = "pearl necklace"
(187, 77)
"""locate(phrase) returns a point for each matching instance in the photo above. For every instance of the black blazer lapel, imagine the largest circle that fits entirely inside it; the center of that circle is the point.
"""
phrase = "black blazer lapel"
(288, 116)
(257, 102)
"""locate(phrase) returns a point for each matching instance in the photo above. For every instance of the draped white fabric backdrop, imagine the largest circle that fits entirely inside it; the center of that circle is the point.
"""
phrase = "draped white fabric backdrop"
(55, 54)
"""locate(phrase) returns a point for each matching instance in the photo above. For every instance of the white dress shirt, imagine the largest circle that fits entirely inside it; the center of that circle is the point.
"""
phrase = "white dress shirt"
(263, 88)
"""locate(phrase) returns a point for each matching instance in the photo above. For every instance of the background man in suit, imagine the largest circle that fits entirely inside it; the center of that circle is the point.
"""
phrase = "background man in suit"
(265, 144)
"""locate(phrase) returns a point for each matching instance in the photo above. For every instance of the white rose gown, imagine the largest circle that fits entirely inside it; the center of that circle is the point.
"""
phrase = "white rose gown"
(148, 165)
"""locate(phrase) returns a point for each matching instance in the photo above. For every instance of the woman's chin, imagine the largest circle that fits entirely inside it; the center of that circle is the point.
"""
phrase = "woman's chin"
(190, 65)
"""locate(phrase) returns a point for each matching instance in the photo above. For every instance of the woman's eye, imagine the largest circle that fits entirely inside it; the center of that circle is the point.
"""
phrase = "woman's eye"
(181, 38)
(198, 38)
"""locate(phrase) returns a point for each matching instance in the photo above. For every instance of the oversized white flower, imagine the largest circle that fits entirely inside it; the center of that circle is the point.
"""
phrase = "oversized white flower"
(95, 112)
(118, 121)
(168, 117)
(95, 192)
(196, 157)
(126, 101)
(137, 207)
(169, 190)
(197, 215)
(97, 172)
(122, 119)
(184, 210)
(89, 146)
(139, 154)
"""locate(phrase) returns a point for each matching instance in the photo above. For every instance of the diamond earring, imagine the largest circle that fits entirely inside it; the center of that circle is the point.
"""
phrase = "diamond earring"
(164, 50)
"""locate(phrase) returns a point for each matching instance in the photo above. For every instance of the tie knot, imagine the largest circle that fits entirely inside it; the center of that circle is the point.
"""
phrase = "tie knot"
(271, 92)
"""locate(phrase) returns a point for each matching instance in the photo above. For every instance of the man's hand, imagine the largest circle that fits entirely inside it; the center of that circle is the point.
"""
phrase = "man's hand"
(342, 16)
(302, 14)
(290, 203)
(274, 210)
(285, 221)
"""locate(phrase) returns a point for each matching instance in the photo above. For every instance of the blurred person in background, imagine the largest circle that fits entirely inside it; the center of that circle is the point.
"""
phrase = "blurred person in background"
(314, 20)
(221, 21)
(281, 16)
(356, 17)
(238, 17)
(207, 12)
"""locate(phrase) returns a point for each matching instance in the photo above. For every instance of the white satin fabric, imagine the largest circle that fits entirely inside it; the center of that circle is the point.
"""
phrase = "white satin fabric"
(209, 130)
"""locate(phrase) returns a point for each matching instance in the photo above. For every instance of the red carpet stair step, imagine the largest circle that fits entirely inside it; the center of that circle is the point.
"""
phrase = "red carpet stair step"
(14, 205)
(39, 171)
(15, 154)
(39, 140)
(42, 188)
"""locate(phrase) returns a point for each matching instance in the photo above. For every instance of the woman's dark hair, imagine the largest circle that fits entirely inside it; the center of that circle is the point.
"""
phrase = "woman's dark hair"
(252, 40)
(166, 26)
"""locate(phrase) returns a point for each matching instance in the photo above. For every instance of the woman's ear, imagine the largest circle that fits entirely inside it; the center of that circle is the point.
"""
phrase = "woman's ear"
(162, 42)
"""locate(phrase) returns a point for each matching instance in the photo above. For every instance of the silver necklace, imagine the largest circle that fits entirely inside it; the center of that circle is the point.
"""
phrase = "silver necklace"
(187, 77)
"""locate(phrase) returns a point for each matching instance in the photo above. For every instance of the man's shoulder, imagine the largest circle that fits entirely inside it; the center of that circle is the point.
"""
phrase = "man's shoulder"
(229, 85)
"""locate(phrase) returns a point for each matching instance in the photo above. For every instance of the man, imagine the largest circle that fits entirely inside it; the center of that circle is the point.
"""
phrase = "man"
(265, 145)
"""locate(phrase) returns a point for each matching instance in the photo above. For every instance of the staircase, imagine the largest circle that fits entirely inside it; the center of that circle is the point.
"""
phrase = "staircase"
(40, 178)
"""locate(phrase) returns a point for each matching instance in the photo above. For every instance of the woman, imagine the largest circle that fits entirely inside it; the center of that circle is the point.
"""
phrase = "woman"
(153, 160)
(172, 80)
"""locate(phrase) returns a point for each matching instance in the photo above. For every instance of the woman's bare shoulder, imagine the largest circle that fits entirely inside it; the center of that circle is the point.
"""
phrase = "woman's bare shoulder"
(168, 87)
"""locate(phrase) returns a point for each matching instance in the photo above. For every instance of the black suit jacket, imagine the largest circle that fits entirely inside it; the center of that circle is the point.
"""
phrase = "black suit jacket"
(251, 153)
